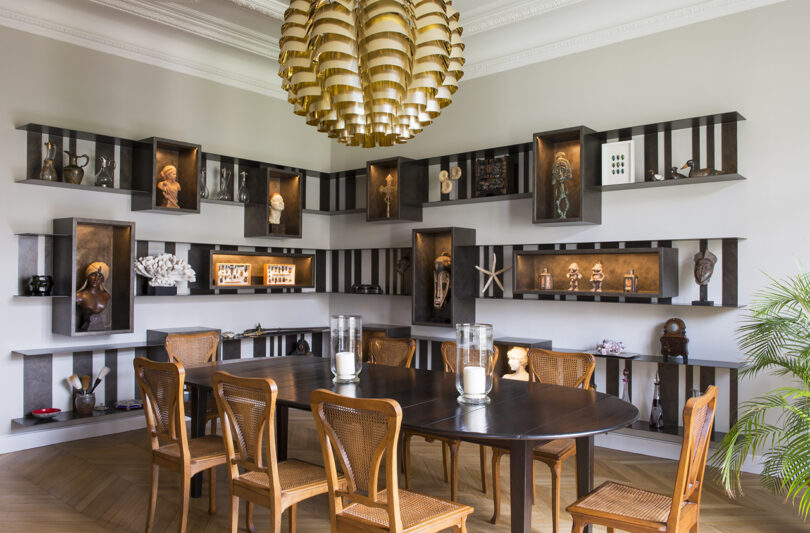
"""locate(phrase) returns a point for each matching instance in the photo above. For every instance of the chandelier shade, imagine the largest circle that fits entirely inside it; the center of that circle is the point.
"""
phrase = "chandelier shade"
(370, 72)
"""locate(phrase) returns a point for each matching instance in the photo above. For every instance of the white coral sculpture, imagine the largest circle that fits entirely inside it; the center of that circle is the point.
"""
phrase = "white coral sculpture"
(164, 270)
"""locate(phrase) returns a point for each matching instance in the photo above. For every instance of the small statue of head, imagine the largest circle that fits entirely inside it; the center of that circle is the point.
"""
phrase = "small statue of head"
(169, 172)
(517, 357)
(276, 201)
(96, 274)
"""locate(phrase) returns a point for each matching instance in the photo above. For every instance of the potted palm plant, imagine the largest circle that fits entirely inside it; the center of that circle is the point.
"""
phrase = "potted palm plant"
(775, 336)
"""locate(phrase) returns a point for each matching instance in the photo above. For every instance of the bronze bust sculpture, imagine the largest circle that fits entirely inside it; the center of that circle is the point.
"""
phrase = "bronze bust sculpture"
(92, 297)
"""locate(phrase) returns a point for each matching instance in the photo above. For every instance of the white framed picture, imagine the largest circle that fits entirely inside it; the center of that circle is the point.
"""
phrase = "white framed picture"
(617, 163)
(233, 274)
(275, 274)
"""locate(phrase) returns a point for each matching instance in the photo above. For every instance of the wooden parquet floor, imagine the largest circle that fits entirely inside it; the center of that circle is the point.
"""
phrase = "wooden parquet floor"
(101, 485)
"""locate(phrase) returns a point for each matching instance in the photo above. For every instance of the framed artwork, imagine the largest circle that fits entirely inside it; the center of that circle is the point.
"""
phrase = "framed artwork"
(233, 274)
(491, 176)
(275, 274)
(617, 163)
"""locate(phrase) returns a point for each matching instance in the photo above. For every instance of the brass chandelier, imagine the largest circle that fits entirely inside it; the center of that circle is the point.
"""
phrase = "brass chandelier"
(370, 72)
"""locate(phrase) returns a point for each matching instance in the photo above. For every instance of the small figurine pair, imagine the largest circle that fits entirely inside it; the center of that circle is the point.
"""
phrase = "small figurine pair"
(597, 276)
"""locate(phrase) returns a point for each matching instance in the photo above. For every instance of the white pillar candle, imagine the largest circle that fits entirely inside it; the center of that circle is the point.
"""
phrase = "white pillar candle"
(475, 380)
(344, 364)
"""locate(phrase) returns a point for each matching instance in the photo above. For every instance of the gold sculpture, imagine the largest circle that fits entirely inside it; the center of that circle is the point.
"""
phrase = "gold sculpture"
(388, 190)
(370, 72)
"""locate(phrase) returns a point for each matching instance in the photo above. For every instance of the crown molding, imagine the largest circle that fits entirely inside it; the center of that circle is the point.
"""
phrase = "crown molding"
(87, 38)
(270, 8)
(486, 18)
(198, 23)
(622, 32)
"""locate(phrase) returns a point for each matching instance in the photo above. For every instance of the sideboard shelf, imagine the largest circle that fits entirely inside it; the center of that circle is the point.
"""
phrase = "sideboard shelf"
(67, 419)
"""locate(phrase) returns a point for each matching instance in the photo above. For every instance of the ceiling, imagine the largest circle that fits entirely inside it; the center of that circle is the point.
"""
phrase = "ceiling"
(235, 42)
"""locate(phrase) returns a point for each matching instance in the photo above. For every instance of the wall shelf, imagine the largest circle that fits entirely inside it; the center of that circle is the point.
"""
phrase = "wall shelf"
(304, 268)
(67, 419)
(78, 187)
(479, 199)
(668, 183)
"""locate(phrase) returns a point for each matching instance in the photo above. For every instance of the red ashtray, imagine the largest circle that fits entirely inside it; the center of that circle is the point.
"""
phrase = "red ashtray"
(50, 412)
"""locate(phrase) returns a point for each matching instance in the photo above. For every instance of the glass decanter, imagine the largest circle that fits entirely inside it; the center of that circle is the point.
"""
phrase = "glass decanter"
(203, 185)
(225, 188)
(244, 196)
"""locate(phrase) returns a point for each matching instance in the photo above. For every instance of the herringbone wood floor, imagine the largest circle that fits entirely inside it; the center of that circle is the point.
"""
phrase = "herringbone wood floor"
(101, 485)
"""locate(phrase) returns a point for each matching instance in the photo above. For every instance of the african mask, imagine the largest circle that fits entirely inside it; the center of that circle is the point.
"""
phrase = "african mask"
(441, 279)
(704, 267)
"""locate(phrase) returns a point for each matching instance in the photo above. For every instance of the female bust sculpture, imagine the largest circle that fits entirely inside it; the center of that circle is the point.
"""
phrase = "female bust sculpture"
(92, 297)
(276, 207)
(169, 186)
(518, 359)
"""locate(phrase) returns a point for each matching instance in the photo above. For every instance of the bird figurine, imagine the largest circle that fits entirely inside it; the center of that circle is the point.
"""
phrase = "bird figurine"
(674, 174)
(654, 176)
(694, 173)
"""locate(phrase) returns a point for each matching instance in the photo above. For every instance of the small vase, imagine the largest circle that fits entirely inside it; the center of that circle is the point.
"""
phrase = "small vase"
(85, 404)
(203, 185)
(656, 412)
(225, 188)
(40, 285)
(474, 363)
(48, 172)
(104, 176)
(346, 347)
(244, 196)
(73, 172)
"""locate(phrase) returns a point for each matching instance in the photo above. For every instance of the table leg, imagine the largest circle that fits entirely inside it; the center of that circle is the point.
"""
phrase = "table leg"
(584, 468)
(199, 405)
(520, 483)
(282, 418)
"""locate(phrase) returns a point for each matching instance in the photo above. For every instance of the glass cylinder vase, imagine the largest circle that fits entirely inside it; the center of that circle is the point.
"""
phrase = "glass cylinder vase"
(346, 347)
(474, 363)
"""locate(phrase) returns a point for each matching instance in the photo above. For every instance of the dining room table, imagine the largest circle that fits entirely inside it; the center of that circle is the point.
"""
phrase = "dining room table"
(518, 417)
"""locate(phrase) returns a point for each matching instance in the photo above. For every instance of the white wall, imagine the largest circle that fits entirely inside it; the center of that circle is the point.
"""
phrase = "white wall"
(53, 83)
(750, 62)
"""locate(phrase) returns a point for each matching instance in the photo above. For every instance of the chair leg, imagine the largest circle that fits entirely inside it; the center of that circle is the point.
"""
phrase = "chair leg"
(578, 525)
(249, 517)
(292, 517)
(212, 490)
(555, 497)
(496, 486)
(454, 469)
(234, 514)
(462, 527)
(150, 513)
(185, 489)
(482, 452)
(534, 485)
(406, 459)
(444, 462)
(610, 530)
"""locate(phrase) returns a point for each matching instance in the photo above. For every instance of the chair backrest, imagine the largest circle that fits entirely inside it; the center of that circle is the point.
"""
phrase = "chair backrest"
(247, 409)
(561, 368)
(698, 417)
(392, 352)
(192, 349)
(449, 356)
(359, 431)
(161, 386)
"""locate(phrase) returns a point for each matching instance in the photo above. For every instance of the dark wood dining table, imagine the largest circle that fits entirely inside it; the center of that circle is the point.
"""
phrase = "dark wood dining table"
(519, 416)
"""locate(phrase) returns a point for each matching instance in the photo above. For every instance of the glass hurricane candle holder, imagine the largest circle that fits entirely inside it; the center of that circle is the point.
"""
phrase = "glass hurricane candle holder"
(474, 363)
(346, 347)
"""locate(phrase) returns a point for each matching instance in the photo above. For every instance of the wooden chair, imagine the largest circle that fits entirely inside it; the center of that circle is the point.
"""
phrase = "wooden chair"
(161, 386)
(619, 506)
(449, 446)
(195, 349)
(558, 368)
(391, 352)
(360, 431)
(247, 408)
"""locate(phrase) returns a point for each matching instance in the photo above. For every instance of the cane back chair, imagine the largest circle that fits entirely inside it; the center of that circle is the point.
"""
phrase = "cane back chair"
(195, 349)
(161, 386)
(247, 408)
(391, 351)
(359, 431)
(557, 368)
(625, 507)
(449, 446)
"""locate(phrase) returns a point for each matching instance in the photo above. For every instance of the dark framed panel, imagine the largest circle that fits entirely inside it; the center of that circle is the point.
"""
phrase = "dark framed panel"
(262, 183)
(656, 269)
(304, 268)
(150, 157)
(582, 150)
(459, 307)
(78, 242)
(410, 189)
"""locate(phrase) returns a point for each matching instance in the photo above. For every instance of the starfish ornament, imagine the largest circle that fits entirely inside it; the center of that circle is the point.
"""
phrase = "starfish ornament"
(493, 274)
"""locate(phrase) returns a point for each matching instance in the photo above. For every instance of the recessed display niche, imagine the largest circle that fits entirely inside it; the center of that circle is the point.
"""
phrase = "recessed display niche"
(260, 270)
(275, 206)
(166, 176)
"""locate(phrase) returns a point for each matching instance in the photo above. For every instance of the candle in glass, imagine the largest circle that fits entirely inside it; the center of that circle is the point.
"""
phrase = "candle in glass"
(346, 347)
(474, 362)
